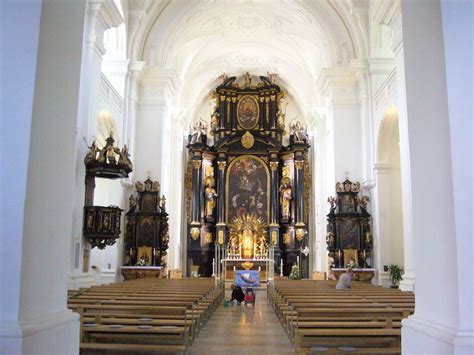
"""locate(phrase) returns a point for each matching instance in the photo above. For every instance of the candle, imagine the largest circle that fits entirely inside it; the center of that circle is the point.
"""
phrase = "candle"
(281, 268)
(298, 261)
(259, 268)
(234, 267)
(364, 259)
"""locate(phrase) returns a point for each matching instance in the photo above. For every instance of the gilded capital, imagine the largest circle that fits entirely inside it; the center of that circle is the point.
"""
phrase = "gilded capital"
(273, 165)
(299, 164)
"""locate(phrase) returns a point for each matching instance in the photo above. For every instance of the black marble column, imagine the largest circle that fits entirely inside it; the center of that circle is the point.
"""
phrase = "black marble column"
(299, 191)
(221, 226)
(274, 191)
(262, 112)
(234, 112)
(221, 191)
(221, 114)
(196, 193)
(273, 112)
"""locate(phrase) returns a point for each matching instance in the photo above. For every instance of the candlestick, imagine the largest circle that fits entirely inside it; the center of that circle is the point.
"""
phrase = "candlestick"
(213, 267)
(281, 267)
(298, 261)
(365, 265)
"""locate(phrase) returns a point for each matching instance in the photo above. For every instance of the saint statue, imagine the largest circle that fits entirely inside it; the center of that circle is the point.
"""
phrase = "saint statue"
(285, 197)
(247, 80)
(210, 195)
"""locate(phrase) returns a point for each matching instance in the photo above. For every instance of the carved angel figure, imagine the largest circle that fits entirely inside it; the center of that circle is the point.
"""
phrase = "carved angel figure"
(124, 157)
(140, 186)
(338, 187)
(132, 201)
(364, 201)
(198, 130)
(92, 154)
(356, 187)
(298, 130)
(332, 201)
(155, 186)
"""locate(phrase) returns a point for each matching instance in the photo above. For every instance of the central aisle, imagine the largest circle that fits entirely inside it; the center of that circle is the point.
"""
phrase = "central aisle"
(243, 330)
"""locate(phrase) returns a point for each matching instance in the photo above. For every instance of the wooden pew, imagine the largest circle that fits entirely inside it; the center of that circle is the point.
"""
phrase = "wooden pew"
(145, 315)
(314, 313)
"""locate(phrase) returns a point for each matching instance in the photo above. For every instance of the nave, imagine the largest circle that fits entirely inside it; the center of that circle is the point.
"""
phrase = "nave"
(163, 316)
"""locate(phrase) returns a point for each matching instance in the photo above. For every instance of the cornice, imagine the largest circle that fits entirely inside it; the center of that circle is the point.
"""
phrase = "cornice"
(166, 78)
(335, 77)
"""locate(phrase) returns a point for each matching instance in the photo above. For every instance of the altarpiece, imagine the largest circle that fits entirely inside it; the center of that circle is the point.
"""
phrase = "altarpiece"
(247, 192)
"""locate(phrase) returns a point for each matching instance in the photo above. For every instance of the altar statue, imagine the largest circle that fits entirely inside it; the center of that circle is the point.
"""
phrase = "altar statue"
(210, 195)
(285, 197)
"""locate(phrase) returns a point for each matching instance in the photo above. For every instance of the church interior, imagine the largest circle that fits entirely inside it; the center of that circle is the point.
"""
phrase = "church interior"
(260, 176)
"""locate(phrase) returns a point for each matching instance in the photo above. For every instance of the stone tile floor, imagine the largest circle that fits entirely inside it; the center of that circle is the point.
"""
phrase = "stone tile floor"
(243, 330)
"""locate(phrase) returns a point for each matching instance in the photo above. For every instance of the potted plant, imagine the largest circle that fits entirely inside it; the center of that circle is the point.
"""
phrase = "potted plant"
(396, 274)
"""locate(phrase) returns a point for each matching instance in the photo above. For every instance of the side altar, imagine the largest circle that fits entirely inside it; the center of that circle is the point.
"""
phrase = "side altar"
(349, 236)
(240, 167)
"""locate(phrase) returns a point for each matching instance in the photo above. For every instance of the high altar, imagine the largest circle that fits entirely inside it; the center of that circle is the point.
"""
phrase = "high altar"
(247, 194)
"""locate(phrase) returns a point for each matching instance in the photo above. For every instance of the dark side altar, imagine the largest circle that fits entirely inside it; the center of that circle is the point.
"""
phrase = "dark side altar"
(349, 237)
(247, 173)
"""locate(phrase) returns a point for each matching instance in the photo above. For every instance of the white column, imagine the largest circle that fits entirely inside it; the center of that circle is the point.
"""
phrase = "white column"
(100, 15)
(343, 124)
(175, 205)
(458, 17)
(35, 319)
(155, 143)
(434, 326)
(408, 282)
(320, 261)
(381, 220)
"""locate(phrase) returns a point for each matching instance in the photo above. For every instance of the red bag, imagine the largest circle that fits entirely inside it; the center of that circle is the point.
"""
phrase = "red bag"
(249, 298)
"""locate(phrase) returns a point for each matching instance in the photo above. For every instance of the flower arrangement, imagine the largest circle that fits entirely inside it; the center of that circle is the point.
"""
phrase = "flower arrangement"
(143, 261)
(295, 273)
(351, 264)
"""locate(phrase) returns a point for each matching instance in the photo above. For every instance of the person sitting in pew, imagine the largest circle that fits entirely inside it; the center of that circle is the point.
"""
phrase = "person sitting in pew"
(237, 295)
(345, 280)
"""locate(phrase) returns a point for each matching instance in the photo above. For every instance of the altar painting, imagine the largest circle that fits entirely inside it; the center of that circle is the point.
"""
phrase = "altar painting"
(247, 188)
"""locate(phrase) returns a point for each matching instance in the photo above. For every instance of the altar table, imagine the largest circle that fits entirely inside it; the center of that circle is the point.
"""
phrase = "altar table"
(140, 272)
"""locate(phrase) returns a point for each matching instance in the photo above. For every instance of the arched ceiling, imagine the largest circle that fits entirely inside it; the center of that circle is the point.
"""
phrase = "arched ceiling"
(201, 39)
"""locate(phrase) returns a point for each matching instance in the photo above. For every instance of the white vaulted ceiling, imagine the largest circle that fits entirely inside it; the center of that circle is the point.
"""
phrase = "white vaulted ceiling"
(200, 40)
